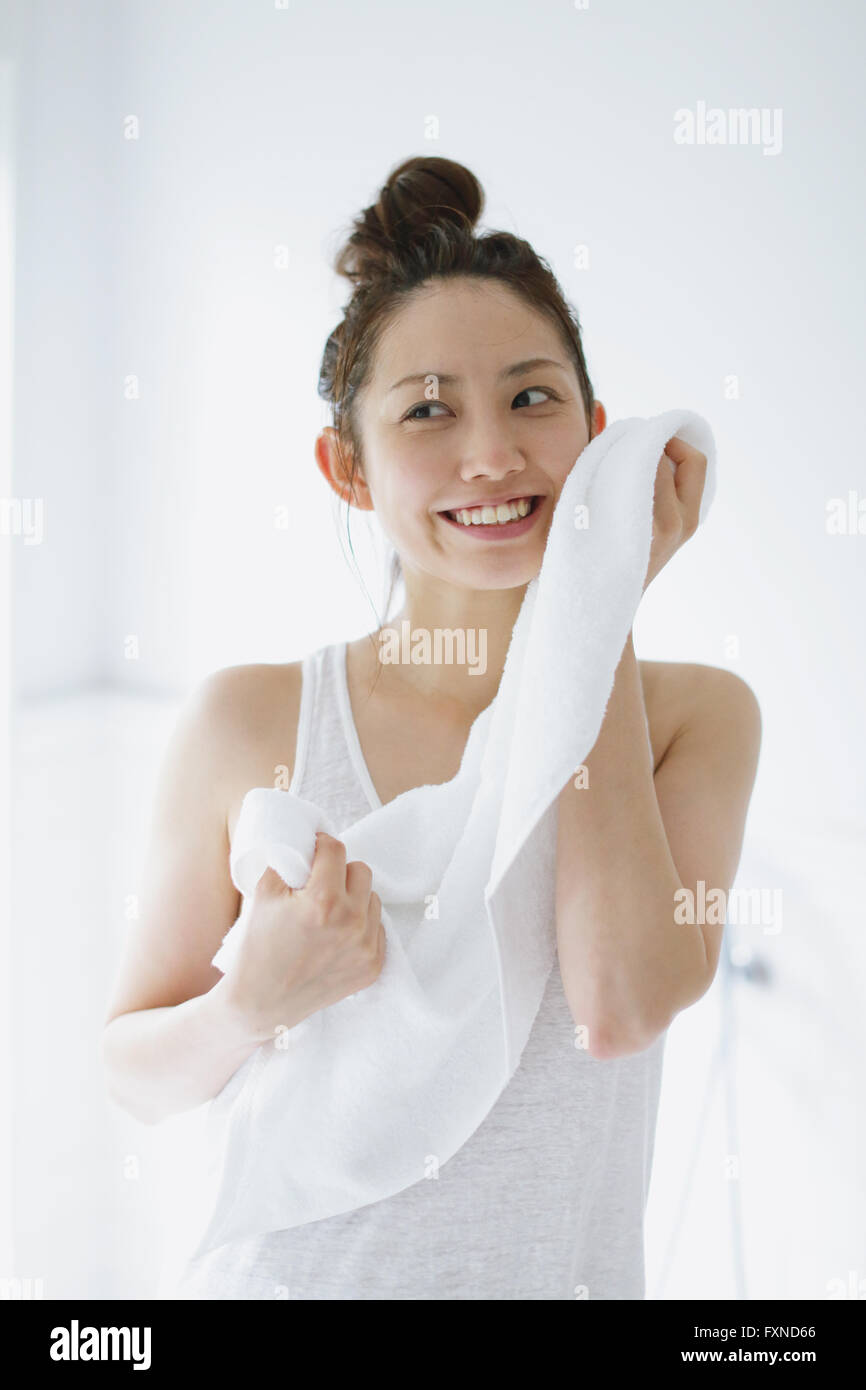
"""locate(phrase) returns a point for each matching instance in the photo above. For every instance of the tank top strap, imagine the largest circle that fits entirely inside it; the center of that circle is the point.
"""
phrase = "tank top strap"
(310, 667)
(329, 768)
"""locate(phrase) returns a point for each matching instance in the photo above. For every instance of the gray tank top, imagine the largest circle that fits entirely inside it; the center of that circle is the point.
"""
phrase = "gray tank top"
(545, 1200)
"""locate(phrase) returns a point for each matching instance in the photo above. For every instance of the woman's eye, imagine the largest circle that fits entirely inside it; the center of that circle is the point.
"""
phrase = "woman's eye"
(425, 405)
(529, 389)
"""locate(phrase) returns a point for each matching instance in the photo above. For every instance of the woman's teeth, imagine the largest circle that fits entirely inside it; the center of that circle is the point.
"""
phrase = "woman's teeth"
(488, 516)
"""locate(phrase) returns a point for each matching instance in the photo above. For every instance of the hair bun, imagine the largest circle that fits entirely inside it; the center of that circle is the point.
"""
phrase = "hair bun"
(418, 196)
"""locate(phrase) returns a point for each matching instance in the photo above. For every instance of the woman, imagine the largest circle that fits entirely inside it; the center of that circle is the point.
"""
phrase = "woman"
(458, 382)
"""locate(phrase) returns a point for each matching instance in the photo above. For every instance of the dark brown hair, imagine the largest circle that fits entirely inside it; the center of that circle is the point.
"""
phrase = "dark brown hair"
(421, 228)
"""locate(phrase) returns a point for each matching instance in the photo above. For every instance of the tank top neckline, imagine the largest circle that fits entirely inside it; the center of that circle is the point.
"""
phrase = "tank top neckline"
(338, 653)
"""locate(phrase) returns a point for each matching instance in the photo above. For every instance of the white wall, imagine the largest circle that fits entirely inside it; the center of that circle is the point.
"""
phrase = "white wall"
(7, 292)
(261, 127)
(65, 147)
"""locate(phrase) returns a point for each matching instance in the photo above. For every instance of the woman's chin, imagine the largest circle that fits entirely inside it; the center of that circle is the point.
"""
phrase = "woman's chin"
(492, 576)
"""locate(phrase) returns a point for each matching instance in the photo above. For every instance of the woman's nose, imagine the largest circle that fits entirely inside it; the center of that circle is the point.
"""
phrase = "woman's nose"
(494, 459)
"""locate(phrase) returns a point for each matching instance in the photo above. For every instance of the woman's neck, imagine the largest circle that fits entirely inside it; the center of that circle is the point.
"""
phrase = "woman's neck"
(451, 652)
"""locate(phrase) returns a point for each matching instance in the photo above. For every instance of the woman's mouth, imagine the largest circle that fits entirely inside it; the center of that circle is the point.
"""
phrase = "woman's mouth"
(500, 522)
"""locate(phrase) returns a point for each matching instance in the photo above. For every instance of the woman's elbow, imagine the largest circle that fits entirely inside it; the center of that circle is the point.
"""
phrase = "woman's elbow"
(608, 1038)
(113, 1081)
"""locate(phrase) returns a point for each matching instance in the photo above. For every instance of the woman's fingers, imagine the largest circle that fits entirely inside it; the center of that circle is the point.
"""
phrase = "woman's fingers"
(329, 862)
(270, 883)
(376, 926)
(691, 473)
(330, 872)
(665, 505)
(359, 878)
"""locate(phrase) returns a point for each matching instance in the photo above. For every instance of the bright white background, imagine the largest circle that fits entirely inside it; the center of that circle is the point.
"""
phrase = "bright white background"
(153, 260)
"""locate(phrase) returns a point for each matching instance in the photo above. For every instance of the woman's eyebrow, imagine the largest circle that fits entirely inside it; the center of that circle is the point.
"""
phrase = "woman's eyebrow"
(516, 369)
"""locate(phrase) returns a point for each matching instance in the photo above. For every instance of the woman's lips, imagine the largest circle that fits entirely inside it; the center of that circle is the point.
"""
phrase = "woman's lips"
(499, 531)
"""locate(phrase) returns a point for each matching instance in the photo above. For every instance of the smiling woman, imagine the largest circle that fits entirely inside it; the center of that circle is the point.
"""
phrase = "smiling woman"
(431, 301)
(545, 1198)
(496, 520)
(503, 420)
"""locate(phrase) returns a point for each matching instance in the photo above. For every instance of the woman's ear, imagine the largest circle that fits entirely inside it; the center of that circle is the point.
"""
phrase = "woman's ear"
(335, 466)
(599, 418)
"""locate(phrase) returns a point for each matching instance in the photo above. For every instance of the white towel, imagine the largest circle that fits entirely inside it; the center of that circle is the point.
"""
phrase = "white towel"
(366, 1097)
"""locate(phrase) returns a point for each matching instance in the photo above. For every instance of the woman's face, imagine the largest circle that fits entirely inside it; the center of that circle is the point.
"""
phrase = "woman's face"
(477, 425)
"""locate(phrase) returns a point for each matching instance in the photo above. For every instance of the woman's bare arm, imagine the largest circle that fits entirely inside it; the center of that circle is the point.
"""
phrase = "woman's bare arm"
(633, 838)
(166, 1060)
(172, 1039)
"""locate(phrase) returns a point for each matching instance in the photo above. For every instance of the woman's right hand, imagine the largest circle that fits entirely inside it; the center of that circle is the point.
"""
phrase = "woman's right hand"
(306, 948)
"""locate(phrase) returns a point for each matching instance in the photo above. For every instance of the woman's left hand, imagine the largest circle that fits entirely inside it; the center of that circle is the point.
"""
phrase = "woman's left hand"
(676, 502)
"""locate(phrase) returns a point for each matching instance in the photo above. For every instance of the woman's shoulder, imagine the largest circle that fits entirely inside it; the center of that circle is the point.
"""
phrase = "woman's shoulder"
(253, 688)
(675, 692)
(249, 716)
